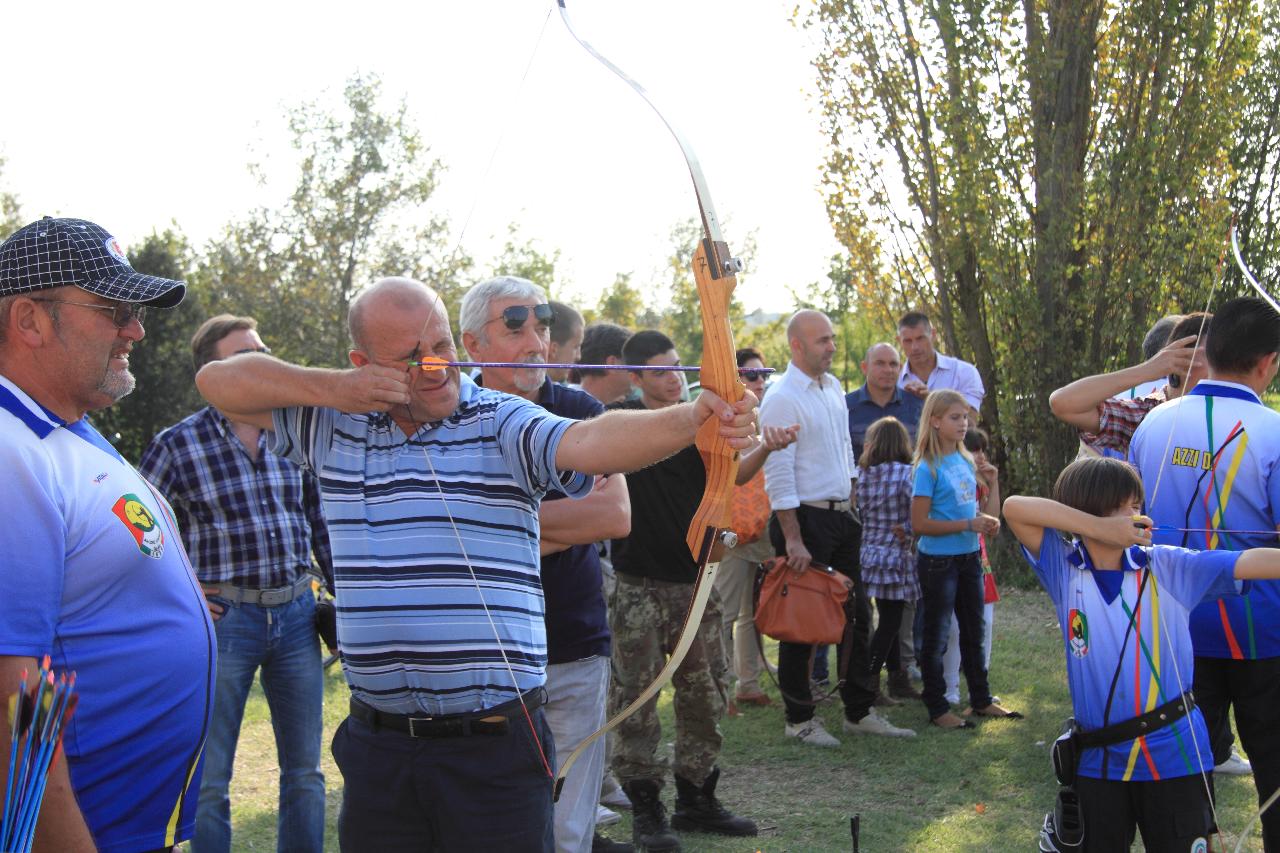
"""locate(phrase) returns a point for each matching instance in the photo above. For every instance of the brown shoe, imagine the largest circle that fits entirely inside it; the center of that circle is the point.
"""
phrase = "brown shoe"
(996, 711)
(900, 686)
(760, 699)
(950, 721)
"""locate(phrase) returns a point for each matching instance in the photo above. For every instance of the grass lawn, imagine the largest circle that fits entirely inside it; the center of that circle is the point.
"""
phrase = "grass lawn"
(983, 790)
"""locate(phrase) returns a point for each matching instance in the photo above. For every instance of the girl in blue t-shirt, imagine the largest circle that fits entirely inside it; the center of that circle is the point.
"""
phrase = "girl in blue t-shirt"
(944, 513)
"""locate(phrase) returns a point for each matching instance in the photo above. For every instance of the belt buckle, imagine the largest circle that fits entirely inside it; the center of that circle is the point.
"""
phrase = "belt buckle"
(413, 720)
(272, 597)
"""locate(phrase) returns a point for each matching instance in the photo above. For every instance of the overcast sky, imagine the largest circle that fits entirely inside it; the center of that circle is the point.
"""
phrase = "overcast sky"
(135, 114)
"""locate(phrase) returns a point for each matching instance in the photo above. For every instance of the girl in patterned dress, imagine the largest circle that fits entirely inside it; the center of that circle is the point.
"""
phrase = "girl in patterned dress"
(888, 559)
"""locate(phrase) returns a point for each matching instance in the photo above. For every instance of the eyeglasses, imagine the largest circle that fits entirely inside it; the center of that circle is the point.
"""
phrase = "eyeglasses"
(515, 315)
(265, 349)
(121, 312)
(752, 375)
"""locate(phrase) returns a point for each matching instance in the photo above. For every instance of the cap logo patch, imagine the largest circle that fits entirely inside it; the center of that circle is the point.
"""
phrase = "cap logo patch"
(114, 250)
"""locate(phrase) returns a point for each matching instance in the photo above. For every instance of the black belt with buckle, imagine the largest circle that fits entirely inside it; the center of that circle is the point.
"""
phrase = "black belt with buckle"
(450, 725)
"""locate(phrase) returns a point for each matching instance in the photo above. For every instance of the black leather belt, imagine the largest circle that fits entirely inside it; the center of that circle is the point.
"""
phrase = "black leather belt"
(487, 721)
(1143, 724)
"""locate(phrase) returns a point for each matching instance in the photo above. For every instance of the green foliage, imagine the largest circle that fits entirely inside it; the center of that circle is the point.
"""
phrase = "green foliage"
(161, 361)
(10, 212)
(356, 214)
(526, 260)
(622, 304)
(1256, 158)
(1044, 179)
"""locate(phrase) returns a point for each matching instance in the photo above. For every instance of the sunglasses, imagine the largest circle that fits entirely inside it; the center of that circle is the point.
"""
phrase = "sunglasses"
(515, 316)
(122, 313)
(752, 375)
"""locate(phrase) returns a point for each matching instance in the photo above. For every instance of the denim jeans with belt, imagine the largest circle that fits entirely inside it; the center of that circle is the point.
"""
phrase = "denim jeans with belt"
(282, 641)
(952, 584)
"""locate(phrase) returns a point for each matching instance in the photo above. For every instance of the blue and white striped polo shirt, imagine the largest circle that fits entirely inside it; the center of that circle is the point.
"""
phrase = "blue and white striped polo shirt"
(412, 625)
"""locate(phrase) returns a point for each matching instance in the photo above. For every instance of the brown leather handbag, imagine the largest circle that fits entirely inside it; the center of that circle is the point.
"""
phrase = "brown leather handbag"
(802, 607)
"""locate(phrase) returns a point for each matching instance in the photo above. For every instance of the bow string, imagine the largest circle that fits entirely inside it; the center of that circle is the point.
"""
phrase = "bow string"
(714, 270)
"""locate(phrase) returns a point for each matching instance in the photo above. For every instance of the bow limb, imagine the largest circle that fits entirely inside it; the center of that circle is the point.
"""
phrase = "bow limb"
(714, 271)
(1244, 269)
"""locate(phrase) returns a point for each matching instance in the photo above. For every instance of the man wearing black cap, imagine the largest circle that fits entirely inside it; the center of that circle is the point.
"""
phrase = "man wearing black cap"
(93, 571)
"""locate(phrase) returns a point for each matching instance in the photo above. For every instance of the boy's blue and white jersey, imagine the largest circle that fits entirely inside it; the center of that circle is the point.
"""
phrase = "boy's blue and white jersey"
(1210, 462)
(1138, 669)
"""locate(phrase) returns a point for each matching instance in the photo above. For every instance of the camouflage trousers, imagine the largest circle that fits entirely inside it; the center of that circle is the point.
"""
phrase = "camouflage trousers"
(646, 617)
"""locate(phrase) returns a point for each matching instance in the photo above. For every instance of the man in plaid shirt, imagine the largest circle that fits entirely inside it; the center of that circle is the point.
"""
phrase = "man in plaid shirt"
(1097, 406)
(251, 523)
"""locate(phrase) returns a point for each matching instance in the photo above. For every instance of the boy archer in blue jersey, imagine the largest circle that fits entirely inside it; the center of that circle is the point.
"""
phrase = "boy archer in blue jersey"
(1142, 758)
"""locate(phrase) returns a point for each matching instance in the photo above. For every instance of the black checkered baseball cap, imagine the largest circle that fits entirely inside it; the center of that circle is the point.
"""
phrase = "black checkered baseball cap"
(56, 252)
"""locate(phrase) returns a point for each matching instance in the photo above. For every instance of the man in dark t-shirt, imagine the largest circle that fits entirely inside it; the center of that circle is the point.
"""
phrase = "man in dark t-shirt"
(656, 575)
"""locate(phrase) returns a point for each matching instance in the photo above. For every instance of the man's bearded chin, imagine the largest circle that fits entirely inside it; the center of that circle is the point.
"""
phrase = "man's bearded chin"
(117, 384)
(529, 379)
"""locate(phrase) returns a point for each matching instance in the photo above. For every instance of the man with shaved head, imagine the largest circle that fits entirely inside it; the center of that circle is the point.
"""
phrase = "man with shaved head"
(880, 397)
(810, 488)
(431, 487)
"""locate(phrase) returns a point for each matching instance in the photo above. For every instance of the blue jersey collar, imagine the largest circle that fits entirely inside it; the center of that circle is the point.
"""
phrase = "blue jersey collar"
(1220, 388)
(41, 426)
(1133, 559)
(44, 426)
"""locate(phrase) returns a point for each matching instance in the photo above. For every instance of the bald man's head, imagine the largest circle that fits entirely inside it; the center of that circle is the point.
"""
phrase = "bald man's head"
(882, 367)
(386, 296)
(803, 320)
(812, 340)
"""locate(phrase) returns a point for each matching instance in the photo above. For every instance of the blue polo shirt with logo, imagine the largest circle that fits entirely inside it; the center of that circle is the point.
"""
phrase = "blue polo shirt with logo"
(1153, 659)
(93, 574)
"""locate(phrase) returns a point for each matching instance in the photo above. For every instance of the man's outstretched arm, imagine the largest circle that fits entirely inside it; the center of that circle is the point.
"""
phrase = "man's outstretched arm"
(623, 441)
(250, 386)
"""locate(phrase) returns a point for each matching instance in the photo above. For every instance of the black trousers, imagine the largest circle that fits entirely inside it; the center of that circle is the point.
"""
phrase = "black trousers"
(1171, 813)
(475, 793)
(884, 645)
(1253, 687)
(833, 538)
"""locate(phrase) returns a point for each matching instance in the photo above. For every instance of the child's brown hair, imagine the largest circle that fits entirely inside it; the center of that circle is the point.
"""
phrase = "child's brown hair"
(886, 441)
(1098, 485)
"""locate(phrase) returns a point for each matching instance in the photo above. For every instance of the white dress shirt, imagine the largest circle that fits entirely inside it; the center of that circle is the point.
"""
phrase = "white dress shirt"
(952, 373)
(819, 465)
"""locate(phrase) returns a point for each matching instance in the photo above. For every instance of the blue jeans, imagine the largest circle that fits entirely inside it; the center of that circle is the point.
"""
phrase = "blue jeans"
(952, 584)
(282, 641)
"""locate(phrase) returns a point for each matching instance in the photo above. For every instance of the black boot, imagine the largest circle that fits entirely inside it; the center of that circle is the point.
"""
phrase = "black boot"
(601, 844)
(649, 828)
(698, 810)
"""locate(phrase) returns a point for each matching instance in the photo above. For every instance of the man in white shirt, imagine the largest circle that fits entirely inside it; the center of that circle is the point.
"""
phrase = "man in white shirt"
(810, 486)
(929, 370)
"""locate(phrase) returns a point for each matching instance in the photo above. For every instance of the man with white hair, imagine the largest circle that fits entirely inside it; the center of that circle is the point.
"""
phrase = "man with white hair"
(431, 487)
(578, 637)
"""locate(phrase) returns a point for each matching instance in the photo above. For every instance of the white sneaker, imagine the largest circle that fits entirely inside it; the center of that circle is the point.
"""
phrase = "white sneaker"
(606, 817)
(1235, 765)
(874, 724)
(811, 732)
